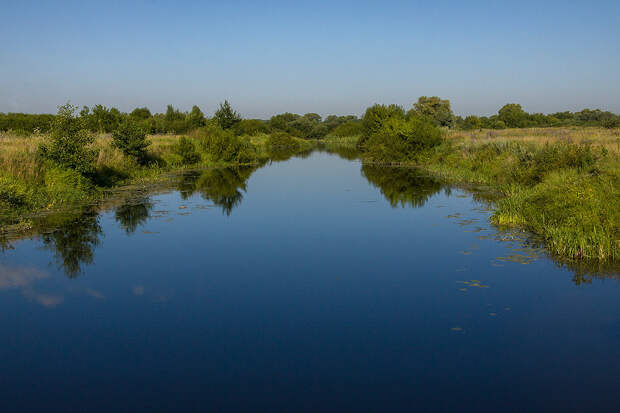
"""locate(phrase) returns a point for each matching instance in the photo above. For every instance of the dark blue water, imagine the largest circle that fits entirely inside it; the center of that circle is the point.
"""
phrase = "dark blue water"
(311, 284)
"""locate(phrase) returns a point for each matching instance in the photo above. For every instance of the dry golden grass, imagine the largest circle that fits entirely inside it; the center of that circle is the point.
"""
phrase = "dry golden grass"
(18, 155)
(608, 138)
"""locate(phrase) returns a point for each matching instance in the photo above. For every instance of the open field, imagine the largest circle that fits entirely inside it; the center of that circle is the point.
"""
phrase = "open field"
(600, 137)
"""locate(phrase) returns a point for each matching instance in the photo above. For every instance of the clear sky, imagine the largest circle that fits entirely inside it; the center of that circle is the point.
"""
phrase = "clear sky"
(336, 57)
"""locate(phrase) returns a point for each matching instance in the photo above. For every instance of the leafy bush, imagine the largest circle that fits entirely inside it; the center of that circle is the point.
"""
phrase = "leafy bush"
(251, 127)
(374, 119)
(400, 139)
(131, 139)
(69, 143)
(281, 140)
(186, 149)
(224, 145)
(349, 128)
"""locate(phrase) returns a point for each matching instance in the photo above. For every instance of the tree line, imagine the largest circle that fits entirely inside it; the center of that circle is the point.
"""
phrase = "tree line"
(100, 119)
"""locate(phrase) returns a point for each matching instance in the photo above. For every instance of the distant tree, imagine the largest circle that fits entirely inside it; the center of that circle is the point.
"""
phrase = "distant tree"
(131, 139)
(513, 115)
(196, 118)
(282, 121)
(436, 109)
(226, 116)
(472, 122)
(173, 114)
(251, 127)
(69, 142)
(140, 113)
(312, 117)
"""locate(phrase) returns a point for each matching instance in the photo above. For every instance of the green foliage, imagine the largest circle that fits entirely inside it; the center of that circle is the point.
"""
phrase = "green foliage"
(472, 122)
(435, 109)
(186, 150)
(399, 140)
(224, 145)
(251, 127)
(69, 142)
(196, 118)
(513, 115)
(25, 123)
(131, 139)
(226, 116)
(140, 114)
(349, 128)
(281, 140)
(374, 119)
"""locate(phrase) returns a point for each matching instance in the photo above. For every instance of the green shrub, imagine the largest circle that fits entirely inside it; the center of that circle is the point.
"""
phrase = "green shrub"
(69, 143)
(251, 127)
(131, 139)
(350, 128)
(12, 193)
(374, 119)
(399, 139)
(186, 149)
(224, 145)
(281, 140)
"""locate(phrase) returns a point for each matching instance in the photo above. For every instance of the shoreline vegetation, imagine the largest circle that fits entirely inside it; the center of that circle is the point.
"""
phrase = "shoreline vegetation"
(557, 176)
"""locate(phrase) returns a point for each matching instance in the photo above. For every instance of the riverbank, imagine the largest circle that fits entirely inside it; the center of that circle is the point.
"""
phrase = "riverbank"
(29, 186)
(566, 191)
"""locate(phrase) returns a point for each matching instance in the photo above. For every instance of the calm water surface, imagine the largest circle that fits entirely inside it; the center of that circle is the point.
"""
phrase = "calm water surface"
(308, 284)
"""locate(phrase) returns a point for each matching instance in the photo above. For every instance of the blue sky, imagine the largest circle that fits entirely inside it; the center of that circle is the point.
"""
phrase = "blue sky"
(336, 57)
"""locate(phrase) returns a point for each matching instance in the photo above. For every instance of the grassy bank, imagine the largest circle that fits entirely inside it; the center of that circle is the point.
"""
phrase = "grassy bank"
(29, 184)
(561, 184)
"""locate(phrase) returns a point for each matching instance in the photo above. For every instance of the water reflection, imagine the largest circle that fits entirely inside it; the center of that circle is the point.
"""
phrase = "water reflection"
(224, 186)
(402, 186)
(133, 213)
(73, 239)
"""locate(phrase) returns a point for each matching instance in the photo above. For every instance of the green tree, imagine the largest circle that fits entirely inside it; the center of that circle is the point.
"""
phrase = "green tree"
(131, 139)
(196, 118)
(374, 118)
(472, 122)
(436, 109)
(140, 113)
(513, 115)
(69, 142)
(226, 116)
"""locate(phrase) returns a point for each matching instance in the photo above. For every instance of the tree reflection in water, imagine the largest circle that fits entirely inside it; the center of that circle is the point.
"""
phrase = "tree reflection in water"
(223, 186)
(73, 239)
(133, 213)
(402, 186)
